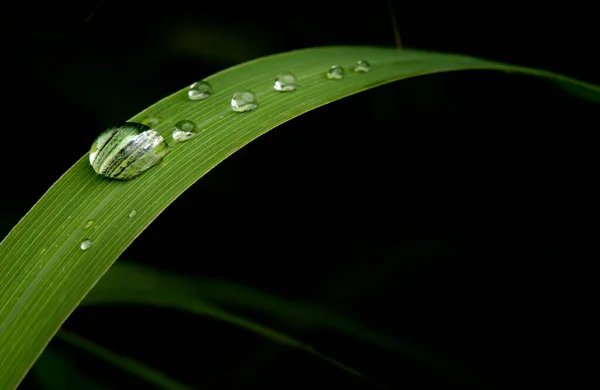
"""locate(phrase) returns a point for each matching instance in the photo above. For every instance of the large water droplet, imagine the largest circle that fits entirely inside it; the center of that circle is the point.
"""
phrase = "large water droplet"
(124, 152)
(335, 73)
(132, 213)
(362, 67)
(286, 82)
(243, 101)
(89, 224)
(200, 90)
(184, 130)
(86, 244)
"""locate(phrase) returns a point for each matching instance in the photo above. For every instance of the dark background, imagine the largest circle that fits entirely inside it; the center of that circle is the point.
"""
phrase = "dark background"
(439, 218)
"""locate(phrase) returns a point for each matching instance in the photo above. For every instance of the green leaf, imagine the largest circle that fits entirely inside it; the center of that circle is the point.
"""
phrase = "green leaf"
(130, 365)
(54, 371)
(43, 272)
(134, 284)
(127, 283)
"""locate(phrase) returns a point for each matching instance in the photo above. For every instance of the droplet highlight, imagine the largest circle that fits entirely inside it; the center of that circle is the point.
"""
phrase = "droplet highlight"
(89, 224)
(200, 90)
(286, 82)
(335, 73)
(184, 130)
(86, 244)
(244, 101)
(132, 213)
(362, 67)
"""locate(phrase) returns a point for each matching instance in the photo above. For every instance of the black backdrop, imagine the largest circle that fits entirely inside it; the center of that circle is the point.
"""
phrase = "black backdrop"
(439, 218)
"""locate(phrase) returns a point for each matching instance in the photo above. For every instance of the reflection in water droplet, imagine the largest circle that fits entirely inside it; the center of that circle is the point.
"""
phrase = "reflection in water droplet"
(335, 73)
(286, 82)
(200, 90)
(86, 244)
(244, 101)
(184, 130)
(132, 213)
(89, 224)
(124, 152)
(362, 67)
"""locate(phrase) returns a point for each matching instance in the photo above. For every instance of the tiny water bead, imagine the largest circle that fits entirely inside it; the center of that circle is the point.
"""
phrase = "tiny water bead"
(200, 90)
(286, 82)
(243, 101)
(124, 152)
(132, 213)
(336, 72)
(184, 130)
(151, 121)
(86, 244)
(362, 67)
(89, 224)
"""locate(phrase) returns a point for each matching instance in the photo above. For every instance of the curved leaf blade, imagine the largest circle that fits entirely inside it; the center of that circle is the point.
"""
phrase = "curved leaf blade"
(44, 274)
(130, 283)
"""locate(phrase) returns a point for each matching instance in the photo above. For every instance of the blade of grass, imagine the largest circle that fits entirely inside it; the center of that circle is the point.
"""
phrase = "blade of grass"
(132, 366)
(127, 283)
(132, 284)
(43, 273)
(54, 371)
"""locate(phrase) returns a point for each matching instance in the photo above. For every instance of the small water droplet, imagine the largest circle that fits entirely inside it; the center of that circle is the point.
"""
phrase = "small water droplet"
(43, 251)
(132, 213)
(86, 244)
(151, 121)
(244, 101)
(335, 73)
(89, 224)
(222, 116)
(362, 67)
(200, 90)
(184, 130)
(286, 82)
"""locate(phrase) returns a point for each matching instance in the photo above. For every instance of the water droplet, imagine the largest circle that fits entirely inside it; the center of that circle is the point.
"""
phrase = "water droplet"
(151, 121)
(286, 82)
(335, 73)
(89, 224)
(244, 101)
(86, 244)
(200, 90)
(362, 67)
(124, 152)
(184, 130)
(222, 116)
(132, 213)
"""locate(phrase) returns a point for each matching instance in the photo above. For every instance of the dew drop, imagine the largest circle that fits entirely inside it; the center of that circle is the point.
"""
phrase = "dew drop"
(86, 244)
(151, 121)
(286, 82)
(362, 67)
(184, 130)
(243, 101)
(124, 152)
(335, 73)
(132, 213)
(200, 90)
(89, 224)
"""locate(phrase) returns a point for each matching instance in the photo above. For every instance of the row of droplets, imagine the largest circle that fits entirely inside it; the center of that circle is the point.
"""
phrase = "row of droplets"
(244, 101)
